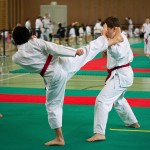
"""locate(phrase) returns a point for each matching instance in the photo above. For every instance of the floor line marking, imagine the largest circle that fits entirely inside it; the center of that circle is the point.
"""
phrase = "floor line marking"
(127, 130)
(13, 77)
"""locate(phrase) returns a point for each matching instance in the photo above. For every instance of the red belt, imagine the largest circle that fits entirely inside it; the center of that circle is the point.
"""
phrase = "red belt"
(117, 67)
(49, 58)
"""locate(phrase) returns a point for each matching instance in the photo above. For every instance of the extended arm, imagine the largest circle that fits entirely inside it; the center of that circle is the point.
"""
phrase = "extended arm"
(57, 50)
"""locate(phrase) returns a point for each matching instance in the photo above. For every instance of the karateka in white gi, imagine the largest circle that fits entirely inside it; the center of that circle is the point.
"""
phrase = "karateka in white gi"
(56, 64)
(39, 27)
(28, 24)
(97, 29)
(146, 31)
(147, 48)
(46, 26)
(120, 77)
(130, 26)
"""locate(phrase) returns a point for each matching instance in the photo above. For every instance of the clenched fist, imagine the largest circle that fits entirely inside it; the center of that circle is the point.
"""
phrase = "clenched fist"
(79, 52)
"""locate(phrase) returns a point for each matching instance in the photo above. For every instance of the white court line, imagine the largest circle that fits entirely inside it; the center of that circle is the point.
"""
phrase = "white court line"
(14, 77)
(84, 80)
(9, 66)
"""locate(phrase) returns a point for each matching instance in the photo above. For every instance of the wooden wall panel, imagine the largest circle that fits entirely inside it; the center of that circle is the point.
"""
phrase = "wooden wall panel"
(10, 13)
(14, 12)
(3, 14)
(84, 11)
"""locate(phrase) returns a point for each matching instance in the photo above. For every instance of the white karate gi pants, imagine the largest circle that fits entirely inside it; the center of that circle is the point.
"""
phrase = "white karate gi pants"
(112, 93)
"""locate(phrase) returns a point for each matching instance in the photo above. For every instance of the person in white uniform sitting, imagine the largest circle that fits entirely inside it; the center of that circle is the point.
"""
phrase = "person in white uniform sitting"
(56, 64)
(120, 77)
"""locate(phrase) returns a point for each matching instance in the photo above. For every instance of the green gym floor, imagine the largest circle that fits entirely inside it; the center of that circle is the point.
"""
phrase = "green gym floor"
(24, 125)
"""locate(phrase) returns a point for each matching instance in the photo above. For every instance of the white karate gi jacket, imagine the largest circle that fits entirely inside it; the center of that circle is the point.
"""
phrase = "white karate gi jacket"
(33, 55)
(118, 55)
(146, 30)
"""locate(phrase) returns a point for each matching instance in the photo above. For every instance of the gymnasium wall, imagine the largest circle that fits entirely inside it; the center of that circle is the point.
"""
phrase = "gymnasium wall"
(84, 11)
(10, 13)
(87, 11)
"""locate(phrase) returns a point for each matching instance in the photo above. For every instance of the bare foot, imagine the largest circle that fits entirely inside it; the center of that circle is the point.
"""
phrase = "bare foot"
(97, 137)
(58, 142)
(1, 115)
(135, 125)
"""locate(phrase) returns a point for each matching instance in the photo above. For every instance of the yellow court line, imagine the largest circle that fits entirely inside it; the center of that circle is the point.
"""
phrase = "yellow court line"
(126, 130)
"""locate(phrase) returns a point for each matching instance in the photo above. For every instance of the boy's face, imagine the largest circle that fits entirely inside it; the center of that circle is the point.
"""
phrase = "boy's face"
(110, 32)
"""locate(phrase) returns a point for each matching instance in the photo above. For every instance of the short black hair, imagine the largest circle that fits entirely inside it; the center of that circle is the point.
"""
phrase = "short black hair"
(21, 35)
(111, 22)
